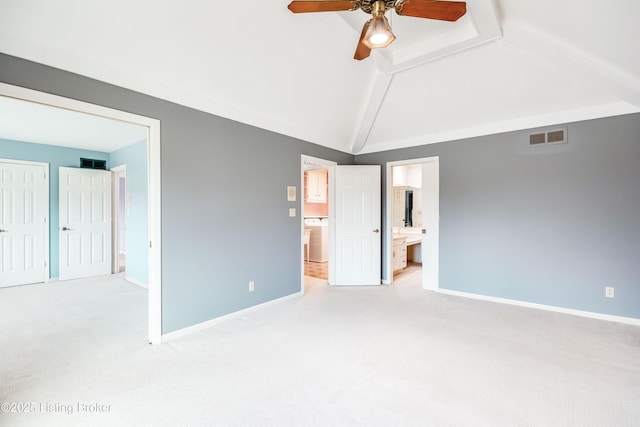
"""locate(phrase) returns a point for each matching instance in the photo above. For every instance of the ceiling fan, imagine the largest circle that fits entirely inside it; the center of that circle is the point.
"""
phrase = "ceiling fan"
(376, 32)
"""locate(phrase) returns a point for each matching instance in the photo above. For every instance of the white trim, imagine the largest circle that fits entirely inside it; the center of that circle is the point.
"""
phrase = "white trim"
(388, 260)
(115, 217)
(154, 178)
(73, 105)
(154, 182)
(331, 199)
(236, 314)
(486, 23)
(136, 282)
(368, 119)
(47, 229)
(581, 313)
(431, 280)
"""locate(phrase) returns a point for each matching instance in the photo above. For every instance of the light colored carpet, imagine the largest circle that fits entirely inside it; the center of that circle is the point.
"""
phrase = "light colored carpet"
(370, 356)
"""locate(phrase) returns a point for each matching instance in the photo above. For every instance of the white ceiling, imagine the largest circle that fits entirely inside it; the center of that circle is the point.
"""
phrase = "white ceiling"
(31, 122)
(506, 65)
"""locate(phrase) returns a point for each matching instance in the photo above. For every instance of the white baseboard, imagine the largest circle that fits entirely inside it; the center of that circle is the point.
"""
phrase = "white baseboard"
(590, 314)
(209, 323)
(136, 282)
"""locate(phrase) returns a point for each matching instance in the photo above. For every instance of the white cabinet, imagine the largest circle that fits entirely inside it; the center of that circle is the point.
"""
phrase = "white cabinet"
(319, 243)
(316, 186)
(399, 253)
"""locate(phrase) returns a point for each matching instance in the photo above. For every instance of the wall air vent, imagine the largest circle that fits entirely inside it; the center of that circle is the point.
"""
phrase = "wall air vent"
(552, 137)
(93, 163)
(537, 138)
(556, 136)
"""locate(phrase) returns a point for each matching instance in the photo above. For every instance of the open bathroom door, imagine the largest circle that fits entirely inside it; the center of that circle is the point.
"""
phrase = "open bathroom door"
(430, 222)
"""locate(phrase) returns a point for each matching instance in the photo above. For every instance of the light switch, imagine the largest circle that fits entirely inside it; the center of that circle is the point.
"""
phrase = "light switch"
(292, 212)
(291, 193)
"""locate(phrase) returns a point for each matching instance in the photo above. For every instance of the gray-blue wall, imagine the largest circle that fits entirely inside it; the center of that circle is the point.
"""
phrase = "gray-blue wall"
(136, 212)
(224, 198)
(56, 157)
(549, 225)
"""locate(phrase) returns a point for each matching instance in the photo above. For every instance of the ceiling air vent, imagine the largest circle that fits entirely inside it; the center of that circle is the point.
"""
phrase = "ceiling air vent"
(556, 136)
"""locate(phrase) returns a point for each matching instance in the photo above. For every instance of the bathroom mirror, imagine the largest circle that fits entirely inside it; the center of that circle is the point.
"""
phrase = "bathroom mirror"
(407, 207)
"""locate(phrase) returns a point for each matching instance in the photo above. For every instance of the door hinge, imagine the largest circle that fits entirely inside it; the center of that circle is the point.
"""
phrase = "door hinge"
(149, 243)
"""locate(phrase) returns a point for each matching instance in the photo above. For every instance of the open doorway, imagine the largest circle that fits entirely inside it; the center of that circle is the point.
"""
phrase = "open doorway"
(413, 213)
(151, 148)
(317, 224)
(406, 221)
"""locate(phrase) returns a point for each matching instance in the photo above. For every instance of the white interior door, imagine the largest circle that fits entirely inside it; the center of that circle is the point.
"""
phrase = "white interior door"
(23, 213)
(85, 223)
(358, 242)
(430, 223)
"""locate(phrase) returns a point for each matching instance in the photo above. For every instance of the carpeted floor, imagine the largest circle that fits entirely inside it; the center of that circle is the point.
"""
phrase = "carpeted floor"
(75, 353)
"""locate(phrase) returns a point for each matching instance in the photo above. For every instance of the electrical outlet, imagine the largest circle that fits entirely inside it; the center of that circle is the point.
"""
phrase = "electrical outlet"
(252, 286)
(609, 292)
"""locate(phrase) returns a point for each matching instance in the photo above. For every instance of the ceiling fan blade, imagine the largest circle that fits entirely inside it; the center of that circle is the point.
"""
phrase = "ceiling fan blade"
(362, 50)
(322, 6)
(432, 9)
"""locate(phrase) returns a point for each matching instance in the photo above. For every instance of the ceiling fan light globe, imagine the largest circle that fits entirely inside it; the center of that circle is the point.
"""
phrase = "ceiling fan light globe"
(379, 39)
(379, 33)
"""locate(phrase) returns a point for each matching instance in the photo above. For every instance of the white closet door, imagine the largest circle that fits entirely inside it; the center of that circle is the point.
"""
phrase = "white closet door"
(22, 224)
(85, 223)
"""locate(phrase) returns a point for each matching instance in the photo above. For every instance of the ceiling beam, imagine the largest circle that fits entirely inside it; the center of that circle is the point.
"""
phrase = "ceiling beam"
(485, 26)
(378, 94)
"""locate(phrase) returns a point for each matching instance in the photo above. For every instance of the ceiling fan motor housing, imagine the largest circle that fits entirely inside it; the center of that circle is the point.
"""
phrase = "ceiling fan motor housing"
(367, 5)
(376, 32)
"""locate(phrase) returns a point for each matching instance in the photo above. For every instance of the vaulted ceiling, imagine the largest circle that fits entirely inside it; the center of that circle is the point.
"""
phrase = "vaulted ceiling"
(506, 65)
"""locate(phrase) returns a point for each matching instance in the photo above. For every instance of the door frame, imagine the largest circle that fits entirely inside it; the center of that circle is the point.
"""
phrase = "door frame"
(116, 173)
(153, 181)
(45, 201)
(331, 185)
(433, 282)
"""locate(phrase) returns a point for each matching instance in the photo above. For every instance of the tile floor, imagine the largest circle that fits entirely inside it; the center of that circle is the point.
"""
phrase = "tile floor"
(319, 270)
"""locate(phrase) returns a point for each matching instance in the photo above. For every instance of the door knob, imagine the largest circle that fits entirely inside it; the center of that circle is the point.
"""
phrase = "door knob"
(376, 230)
(4, 231)
(66, 229)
